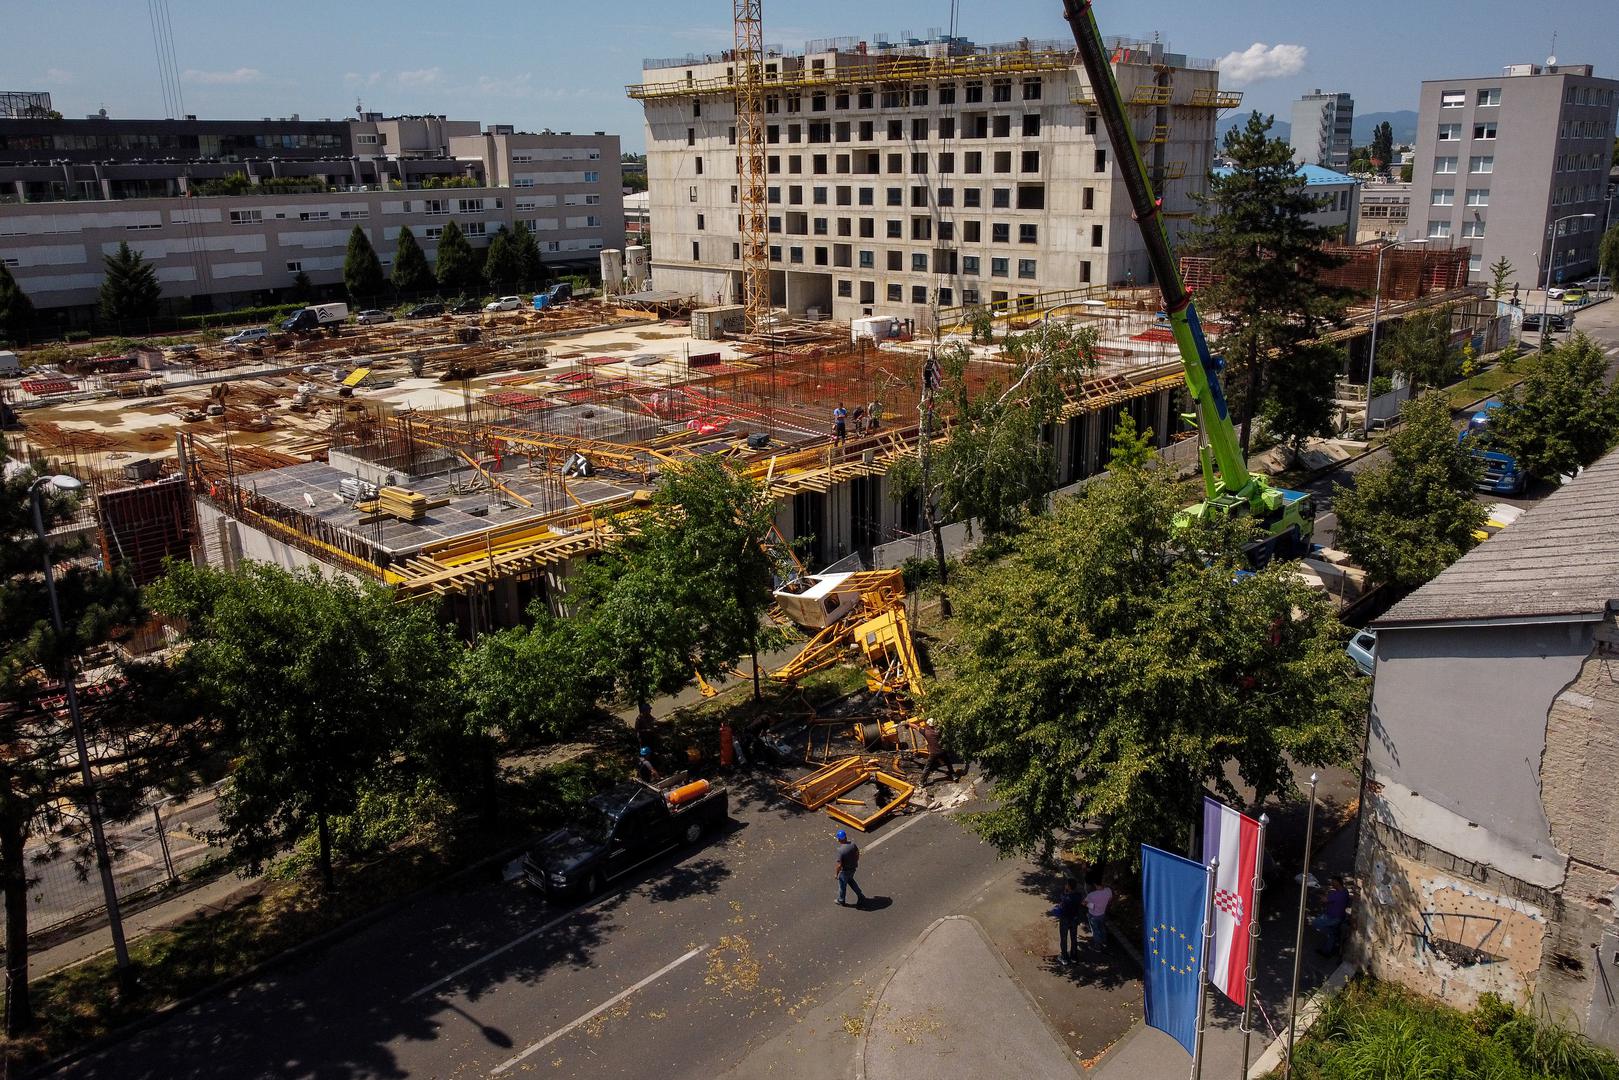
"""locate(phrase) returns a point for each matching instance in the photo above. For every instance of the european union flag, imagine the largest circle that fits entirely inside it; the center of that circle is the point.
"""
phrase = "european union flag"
(1174, 895)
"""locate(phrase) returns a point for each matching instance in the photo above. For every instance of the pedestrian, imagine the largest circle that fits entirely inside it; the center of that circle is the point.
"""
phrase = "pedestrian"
(840, 427)
(1068, 910)
(848, 863)
(938, 756)
(644, 768)
(1096, 903)
(1334, 913)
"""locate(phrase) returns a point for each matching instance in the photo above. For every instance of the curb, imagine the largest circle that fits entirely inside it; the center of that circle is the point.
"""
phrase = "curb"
(869, 1018)
(314, 944)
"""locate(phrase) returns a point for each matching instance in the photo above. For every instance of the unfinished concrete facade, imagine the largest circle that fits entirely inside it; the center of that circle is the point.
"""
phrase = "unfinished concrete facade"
(1489, 847)
(911, 177)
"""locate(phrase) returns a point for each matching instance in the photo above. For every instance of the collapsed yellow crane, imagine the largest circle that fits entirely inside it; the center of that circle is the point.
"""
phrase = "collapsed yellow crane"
(863, 610)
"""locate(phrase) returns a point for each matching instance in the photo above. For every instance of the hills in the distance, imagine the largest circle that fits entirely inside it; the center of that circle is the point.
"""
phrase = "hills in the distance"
(1404, 123)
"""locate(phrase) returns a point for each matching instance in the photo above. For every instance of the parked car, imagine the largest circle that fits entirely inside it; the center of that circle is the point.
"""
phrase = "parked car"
(1597, 283)
(618, 831)
(251, 336)
(1555, 292)
(467, 307)
(1554, 322)
(1362, 649)
(425, 311)
(505, 303)
(1575, 295)
(373, 315)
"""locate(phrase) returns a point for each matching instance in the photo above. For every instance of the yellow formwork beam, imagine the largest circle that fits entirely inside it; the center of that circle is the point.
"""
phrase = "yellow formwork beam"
(900, 69)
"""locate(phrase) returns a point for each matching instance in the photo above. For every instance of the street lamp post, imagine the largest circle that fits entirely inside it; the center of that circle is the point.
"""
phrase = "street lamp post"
(1377, 311)
(1546, 289)
(109, 890)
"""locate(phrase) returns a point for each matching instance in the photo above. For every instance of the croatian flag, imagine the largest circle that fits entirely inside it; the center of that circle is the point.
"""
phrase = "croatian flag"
(1232, 838)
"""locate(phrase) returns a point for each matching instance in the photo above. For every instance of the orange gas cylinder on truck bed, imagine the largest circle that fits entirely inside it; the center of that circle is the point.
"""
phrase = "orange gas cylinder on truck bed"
(688, 793)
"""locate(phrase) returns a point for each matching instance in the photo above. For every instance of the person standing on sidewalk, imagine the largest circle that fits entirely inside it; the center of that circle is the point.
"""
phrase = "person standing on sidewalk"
(848, 862)
(1096, 904)
(938, 756)
(1068, 910)
(1334, 913)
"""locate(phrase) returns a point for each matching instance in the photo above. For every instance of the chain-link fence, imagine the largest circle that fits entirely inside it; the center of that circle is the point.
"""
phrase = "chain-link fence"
(159, 846)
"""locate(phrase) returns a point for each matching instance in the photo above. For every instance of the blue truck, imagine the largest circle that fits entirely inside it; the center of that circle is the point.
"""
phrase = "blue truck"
(1498, 471)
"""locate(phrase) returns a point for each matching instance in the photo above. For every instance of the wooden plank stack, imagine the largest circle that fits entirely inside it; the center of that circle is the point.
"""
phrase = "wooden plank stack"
(402, 503)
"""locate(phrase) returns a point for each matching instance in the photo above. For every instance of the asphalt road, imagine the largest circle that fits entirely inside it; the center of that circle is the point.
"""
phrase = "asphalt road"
(677, 976)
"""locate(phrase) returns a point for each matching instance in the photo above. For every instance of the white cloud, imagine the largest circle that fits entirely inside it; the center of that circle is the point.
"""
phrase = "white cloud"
(518, 86)
(355, 78)
(240, 77)
(1260, 61)
(58, 76)
(421, 77)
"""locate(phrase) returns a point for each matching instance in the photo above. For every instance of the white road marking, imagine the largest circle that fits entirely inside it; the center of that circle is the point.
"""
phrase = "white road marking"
(490, 955)
(901, 827)
(597, 1011)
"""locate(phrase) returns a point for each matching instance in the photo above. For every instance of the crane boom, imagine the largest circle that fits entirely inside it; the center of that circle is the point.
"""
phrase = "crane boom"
(1228, 485)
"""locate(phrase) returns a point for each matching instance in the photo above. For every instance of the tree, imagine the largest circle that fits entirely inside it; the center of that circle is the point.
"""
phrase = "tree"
(1420, 347)
(16, 310)
(503, 264)
(533, 682)
(1382, 152)
(459, 269)
(1101, 676)
(683, 594)
(1563, 416)
(1300, 404)
(412, 275)
(362, 270)
(1405, 172)
(1268, 257)
(130, 290)
(302, 287)
(1500, 277)
(1608, 254)
(130, 737)
(530, 268)
(320, 684)
(1407, 519)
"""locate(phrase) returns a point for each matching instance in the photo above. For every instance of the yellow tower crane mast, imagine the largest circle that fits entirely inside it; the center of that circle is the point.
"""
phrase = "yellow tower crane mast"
(750, 137)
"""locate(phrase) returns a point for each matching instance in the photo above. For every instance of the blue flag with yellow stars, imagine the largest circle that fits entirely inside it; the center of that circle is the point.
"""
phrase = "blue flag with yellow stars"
(1174, 893)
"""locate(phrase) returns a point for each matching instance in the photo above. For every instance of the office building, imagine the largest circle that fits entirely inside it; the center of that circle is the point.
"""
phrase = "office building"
(1500, 160)
(1385, 207)
(229, 212)
(904, 177)
(1322, 127)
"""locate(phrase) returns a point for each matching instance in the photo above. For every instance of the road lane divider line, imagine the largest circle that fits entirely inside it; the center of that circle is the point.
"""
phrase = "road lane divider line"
(535, 1048)
(901, 827)
(491, 954)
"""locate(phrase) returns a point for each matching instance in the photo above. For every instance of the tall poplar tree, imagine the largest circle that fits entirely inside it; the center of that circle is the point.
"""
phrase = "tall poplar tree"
(362, 270)
(412, 276)
(16, 310)
(458, 269)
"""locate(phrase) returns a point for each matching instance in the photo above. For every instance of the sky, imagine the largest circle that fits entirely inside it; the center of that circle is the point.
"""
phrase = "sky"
(564, 65)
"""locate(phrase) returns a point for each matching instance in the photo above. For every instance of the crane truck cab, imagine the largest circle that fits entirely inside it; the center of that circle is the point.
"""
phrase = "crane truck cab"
(1499, 473)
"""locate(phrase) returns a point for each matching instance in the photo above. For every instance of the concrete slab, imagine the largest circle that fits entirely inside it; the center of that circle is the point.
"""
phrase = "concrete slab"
(952, 1010)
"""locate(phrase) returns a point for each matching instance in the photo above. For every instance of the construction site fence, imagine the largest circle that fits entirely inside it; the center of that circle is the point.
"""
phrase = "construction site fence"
(163, 843)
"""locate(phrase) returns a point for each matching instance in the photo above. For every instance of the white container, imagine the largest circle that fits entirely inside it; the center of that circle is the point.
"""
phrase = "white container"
(612, 264)
(637, 266)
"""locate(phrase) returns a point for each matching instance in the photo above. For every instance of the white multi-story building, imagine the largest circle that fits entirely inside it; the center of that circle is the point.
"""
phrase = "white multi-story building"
(931, 175)
(1323, 130)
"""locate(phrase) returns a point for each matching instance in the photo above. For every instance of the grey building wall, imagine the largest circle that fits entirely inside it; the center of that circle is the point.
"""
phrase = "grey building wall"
(1547, 146)
(1322, 129)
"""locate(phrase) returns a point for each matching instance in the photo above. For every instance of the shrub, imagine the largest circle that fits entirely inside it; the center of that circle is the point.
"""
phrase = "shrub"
(76, 335)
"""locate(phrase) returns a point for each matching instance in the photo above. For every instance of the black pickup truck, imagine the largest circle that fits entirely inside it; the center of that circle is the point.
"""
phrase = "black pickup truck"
(618, 831)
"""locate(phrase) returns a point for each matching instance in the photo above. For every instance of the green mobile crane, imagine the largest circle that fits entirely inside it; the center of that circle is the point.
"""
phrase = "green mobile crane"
(1287, 517)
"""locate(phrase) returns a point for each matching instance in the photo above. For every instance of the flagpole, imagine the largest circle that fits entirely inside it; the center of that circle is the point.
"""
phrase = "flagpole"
(1203, 968)
(1298, 937)
(1253, 946)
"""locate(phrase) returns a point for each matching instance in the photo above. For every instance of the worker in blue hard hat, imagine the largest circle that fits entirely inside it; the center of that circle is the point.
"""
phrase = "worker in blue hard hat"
(848, 863)
(644, 768)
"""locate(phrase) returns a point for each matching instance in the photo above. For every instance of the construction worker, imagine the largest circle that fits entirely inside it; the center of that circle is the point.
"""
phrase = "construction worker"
(644, 768)
(848, 862)
(840, 424)
(938, 756)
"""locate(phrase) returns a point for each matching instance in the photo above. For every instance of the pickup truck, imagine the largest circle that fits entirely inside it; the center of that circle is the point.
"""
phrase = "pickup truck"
(617, 831)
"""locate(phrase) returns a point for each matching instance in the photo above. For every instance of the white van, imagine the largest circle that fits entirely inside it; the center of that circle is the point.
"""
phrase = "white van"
(10, 366)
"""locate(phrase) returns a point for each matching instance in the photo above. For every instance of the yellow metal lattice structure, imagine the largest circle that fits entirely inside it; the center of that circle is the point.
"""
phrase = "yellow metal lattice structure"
(750, 133)
(1208, 97)
(899, 70)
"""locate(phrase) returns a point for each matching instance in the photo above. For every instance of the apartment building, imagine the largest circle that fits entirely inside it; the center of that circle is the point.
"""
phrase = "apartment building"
(909, 178)
(1322, 132)
(70, 191)
(1385, 207)
(1502, 161)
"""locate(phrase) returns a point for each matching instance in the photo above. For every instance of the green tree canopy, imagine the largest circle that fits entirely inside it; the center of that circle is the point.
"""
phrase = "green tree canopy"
(1300, 403)
(1382, 150)
(302, 287)
(16, 310)
(1608, 254)
(1268, 258)
(130, 290)
(362, 270)
(412, 276)
(1408, 518)
(533, 682)
(530, 267)
(321, 686)
(459, 268)
(1419, 346)
(1500, 277)
(1564, 415)
(503, 263)
(1101, 676)
(685, 592)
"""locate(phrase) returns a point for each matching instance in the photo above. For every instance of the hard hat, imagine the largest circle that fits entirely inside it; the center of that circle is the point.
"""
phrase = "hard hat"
(841, 835)
(646, 751)
(930, 723)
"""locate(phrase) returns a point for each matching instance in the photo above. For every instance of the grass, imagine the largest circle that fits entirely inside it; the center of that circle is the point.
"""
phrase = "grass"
(1490, 381)
(1378, 1031)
